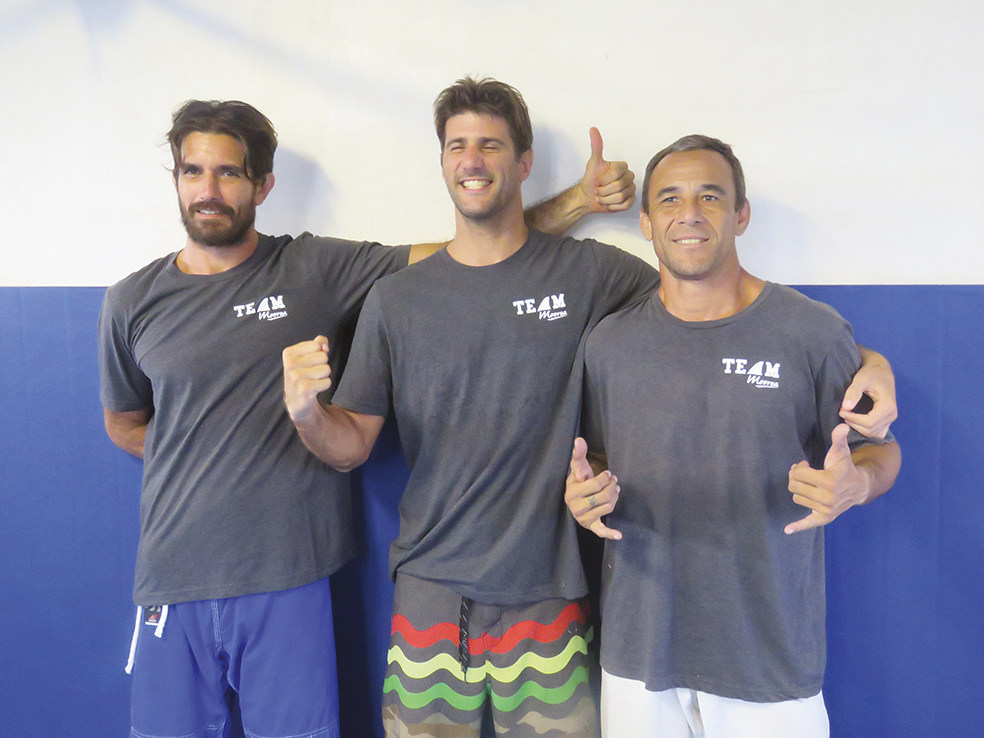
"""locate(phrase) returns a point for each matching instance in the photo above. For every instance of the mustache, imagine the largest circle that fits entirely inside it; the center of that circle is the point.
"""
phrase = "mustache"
(212, 205)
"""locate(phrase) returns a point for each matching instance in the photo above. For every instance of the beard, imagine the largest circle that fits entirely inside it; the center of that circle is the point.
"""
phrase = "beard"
(219, 234)
(478, 213)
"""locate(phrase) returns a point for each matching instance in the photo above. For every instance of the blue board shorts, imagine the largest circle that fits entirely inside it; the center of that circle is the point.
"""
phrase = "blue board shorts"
(273, 652)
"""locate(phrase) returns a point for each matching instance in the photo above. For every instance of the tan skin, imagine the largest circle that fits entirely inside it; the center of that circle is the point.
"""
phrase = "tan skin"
(483, 174)
(692, 221)
(212, 170)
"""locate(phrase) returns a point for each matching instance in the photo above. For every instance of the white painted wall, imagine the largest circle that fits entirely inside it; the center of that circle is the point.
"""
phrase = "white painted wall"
(858, 123)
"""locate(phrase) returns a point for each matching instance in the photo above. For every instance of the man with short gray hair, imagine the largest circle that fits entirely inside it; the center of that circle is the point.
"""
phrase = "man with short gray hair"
(718, 403)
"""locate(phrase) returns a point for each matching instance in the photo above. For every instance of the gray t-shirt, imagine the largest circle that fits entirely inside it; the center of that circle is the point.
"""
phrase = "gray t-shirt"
(701, 422)
(483, 366)
(232, 502)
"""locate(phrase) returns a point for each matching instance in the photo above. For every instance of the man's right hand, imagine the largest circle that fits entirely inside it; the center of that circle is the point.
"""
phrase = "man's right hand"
(306, 374)
(589, 497)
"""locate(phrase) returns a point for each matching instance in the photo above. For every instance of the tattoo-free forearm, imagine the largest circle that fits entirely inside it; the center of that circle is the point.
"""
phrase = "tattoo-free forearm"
(340, 438)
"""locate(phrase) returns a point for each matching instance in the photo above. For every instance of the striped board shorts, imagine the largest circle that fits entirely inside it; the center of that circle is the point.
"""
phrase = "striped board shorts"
(453, 661)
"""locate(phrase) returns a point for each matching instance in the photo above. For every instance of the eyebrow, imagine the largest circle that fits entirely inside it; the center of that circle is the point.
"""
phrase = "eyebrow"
(236, 169)
(672, 190)
(481, 141)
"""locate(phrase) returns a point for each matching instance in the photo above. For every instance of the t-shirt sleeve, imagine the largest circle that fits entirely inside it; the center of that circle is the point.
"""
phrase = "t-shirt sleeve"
(350, 268)
(591, 404)
(836, 372)
(367, 385)
(365, 262)
(623, 278)
(123, 387)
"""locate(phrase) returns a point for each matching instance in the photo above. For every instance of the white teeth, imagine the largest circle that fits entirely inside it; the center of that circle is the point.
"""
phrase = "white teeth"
(688, 241)
(475, 184)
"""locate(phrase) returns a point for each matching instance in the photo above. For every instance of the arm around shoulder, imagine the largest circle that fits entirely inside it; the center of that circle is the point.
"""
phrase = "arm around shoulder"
(420, 251)
(607, 187)
(876, 380)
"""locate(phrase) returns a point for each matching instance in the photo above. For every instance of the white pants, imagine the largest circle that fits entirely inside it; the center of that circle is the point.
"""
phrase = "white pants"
(629, 710)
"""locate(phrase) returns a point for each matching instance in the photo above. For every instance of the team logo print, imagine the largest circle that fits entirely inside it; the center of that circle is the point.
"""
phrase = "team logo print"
(270, 308)
(763, 374)
(551, 307)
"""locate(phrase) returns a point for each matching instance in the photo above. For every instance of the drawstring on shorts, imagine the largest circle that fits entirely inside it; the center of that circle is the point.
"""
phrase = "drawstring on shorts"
(466, 605)
(158, 632)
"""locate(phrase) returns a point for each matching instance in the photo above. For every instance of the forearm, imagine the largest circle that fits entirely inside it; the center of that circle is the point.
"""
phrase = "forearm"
(336, 436)
(871, 359)
(128, 430)
(560, 213)
(880, 464)
(132, 441)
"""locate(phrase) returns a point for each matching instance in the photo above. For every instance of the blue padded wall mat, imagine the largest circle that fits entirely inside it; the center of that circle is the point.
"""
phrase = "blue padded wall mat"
(905, 593)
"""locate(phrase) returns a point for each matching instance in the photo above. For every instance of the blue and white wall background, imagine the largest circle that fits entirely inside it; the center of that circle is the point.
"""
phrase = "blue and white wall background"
(859, 128)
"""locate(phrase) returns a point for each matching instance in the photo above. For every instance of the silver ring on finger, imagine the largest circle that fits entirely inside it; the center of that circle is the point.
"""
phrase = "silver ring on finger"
(591, 500)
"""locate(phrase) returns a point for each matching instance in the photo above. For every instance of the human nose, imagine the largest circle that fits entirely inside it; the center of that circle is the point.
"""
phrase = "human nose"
(689, 212)
(210, 188)
(472, 158)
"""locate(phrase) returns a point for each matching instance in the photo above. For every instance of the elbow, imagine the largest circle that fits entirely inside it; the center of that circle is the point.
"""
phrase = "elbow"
(349, 463)
(339, 459)
(356, 457)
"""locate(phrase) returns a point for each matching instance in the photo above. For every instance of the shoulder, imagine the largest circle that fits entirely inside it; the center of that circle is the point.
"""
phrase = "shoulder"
(606, 261)
(139, 284)
(328, 246)
(810, 330)
(582, 247)
(802, 312)
(418, 273)
(627, 321)
(342, 260)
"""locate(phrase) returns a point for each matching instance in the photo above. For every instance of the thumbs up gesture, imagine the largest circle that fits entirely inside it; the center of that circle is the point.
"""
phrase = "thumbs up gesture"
(608, 186)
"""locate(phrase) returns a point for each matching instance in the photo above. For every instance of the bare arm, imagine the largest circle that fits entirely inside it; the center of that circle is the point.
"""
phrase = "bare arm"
(420, 251)
(607, 187)
(128, 429)
(876, 380)
(340, 438)
(847, 479)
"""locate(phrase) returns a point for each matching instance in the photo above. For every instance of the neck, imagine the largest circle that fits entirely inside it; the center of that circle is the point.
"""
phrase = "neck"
(481, 243)
(712, 298)
(195, 258)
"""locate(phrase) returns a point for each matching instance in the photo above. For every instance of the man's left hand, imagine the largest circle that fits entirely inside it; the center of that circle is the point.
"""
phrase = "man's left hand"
(829, 491)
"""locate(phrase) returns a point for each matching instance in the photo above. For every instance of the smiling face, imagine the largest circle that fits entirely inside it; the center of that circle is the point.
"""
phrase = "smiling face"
(218, 201)
(481, 170)
(691, 218)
